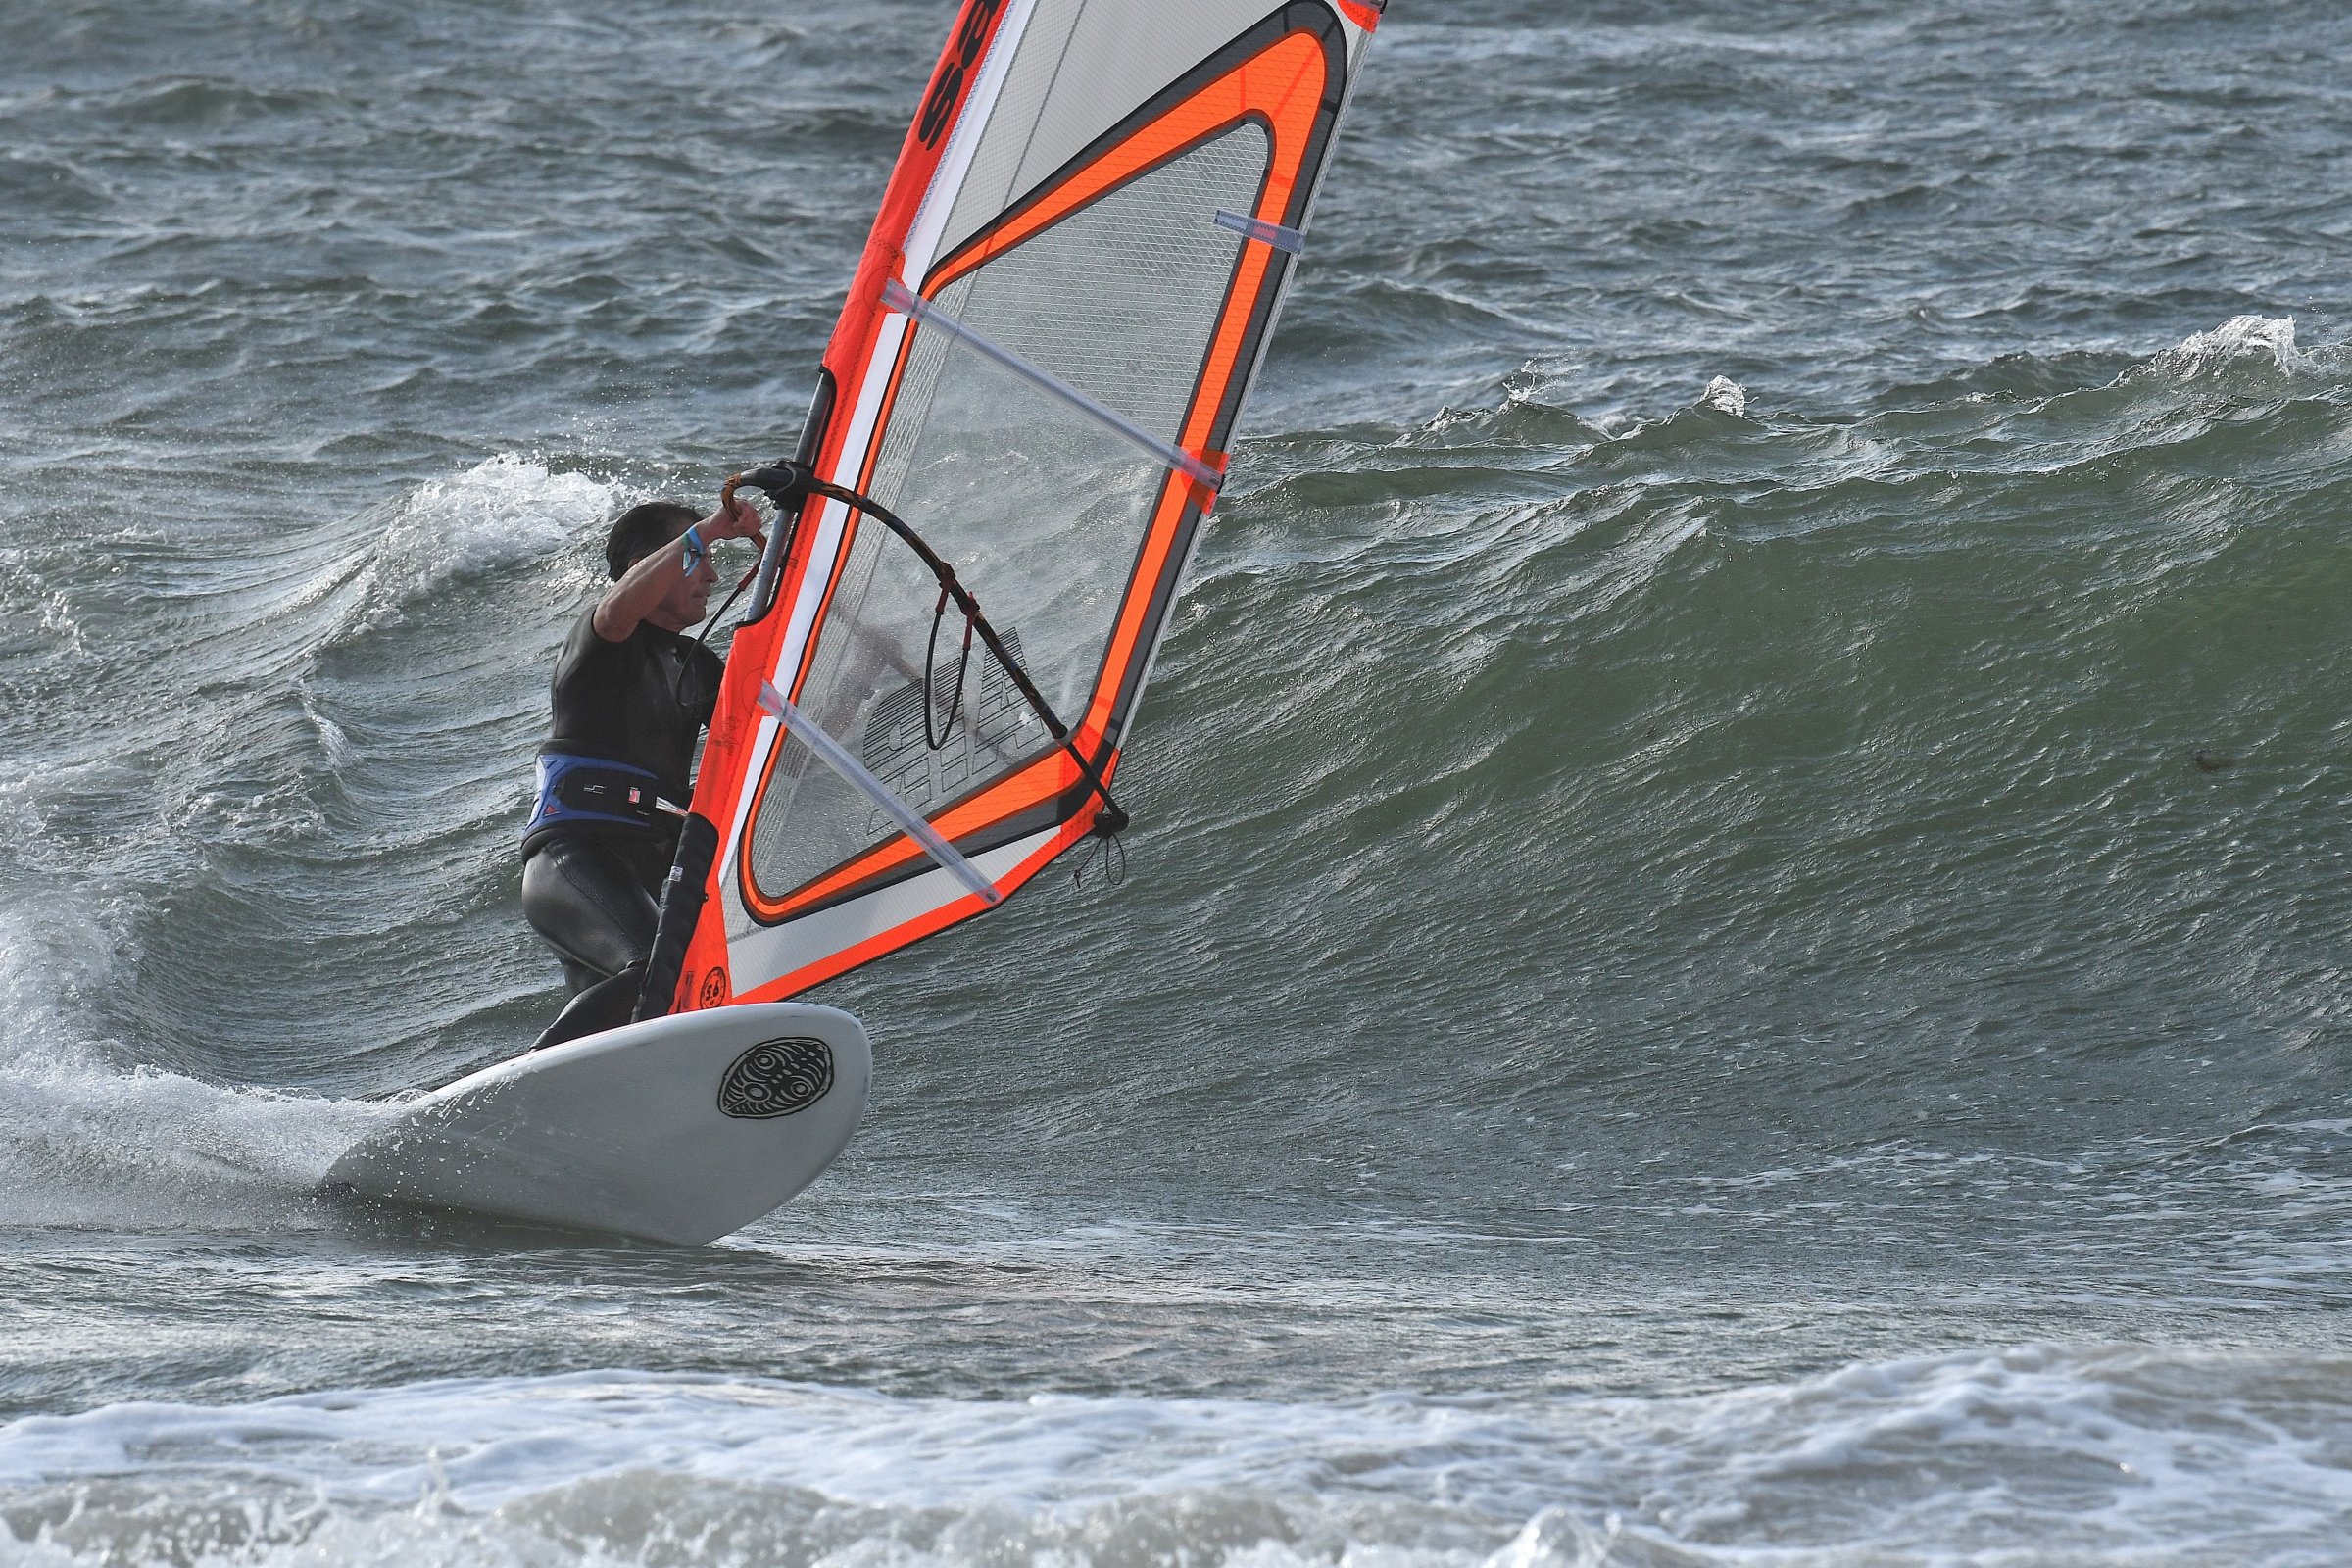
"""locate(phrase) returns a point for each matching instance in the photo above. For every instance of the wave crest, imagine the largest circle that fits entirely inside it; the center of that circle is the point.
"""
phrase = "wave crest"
(504, 510)
(2259, 340)
(1725, 396)
(2028, 1454)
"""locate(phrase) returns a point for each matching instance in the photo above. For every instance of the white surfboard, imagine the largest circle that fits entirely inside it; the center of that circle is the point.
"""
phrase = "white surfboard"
(678, 1129)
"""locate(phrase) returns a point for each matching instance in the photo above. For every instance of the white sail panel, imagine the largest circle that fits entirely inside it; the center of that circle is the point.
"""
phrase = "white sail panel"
(1081, 66)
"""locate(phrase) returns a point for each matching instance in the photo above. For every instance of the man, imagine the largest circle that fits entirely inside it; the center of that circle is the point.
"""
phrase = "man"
(631, 695)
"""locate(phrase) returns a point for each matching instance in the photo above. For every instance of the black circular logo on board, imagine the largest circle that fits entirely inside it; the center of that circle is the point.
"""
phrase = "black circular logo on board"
(776, 1078)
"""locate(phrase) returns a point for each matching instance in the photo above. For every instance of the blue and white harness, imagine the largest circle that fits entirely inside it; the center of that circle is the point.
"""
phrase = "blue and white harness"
(593, 789)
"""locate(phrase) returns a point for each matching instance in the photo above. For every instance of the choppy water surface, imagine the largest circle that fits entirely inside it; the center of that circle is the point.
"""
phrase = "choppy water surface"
(1734, 948)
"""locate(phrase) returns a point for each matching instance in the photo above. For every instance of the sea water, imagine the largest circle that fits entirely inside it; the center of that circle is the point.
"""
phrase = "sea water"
(1734, 949)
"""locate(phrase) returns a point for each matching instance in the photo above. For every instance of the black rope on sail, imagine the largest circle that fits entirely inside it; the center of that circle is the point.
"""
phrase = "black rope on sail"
(789, 483)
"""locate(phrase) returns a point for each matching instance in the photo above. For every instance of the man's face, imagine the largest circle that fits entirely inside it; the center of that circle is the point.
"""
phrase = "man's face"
(689, 597)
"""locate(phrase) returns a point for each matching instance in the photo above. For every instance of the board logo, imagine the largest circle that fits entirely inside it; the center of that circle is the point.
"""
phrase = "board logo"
(776, 1078)
(715, 989)
(948, 91)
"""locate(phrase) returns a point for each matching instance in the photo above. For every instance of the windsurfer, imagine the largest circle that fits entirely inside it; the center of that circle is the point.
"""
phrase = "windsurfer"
(631, 694)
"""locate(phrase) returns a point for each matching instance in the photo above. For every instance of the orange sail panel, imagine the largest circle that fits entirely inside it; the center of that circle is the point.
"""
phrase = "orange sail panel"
(1051, 337)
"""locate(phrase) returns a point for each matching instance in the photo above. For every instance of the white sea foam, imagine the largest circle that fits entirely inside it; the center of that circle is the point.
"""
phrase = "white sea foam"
(86, 1140)
(1725, 396)
(90, 1143)
(2027, 1456)
(503, 512)
(2262, 340)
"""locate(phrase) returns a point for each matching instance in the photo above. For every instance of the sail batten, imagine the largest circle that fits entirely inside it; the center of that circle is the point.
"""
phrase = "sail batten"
(1041, 365)
(858, 777)
(897, 296)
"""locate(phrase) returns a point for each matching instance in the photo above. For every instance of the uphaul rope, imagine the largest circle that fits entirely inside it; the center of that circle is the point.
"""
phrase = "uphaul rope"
(788, 484)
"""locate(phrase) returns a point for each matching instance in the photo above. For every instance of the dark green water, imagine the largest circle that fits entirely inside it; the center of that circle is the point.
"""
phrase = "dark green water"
(1733, 952)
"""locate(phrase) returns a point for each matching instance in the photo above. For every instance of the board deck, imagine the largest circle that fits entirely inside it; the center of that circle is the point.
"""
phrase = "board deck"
(678, 1129)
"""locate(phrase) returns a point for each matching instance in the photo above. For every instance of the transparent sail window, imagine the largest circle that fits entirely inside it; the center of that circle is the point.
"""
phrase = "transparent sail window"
(1041, 508)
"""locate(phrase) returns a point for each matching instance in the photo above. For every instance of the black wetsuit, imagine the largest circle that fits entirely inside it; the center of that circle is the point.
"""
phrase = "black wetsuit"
(589, 887)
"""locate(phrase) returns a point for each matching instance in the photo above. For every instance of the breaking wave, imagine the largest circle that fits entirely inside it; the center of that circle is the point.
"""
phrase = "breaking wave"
(505, 511)
(2030, 1456)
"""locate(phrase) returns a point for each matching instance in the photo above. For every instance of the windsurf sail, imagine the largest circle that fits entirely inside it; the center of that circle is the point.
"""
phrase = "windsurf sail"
(1045, 349)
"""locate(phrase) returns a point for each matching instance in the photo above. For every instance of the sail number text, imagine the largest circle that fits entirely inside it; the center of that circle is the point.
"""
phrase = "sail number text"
(948, 91)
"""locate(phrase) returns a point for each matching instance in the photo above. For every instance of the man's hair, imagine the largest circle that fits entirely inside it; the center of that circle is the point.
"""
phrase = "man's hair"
(643, 529)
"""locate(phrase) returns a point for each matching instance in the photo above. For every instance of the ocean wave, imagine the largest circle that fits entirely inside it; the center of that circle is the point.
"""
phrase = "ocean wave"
(1995, 719)
(1725, 396)
(89, 1144)
(504, 511)
(85, 1141)
(2020, 376)
(46, 185)
(189, 103)
(2026, 1456)
(2240, 340)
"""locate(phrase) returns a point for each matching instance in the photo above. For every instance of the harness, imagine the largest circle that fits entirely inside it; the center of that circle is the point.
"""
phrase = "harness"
(590, 789)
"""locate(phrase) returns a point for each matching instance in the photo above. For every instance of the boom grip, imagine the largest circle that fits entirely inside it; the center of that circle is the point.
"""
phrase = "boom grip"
(682, 899)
